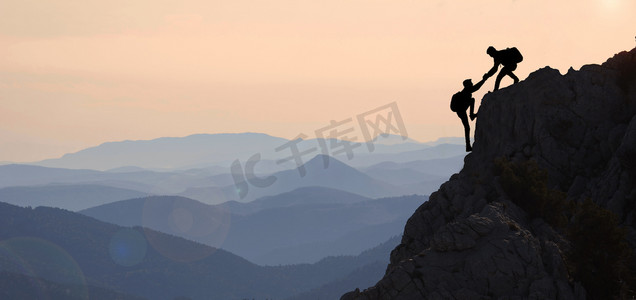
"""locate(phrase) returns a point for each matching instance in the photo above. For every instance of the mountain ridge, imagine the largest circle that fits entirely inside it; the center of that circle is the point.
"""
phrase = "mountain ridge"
(67, 196)
(218, 149)
(552, 153)
(66, 255)
(321, 170)
(274, 223)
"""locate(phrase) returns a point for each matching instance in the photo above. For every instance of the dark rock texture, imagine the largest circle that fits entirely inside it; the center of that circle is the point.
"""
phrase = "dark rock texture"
(471, 241)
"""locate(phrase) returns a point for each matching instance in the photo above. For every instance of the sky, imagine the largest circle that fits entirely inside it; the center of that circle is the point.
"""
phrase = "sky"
(75, 74)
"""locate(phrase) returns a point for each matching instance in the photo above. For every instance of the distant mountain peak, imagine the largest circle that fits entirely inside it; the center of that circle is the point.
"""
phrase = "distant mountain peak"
(391, 139)
(322, 161)
(169, 152)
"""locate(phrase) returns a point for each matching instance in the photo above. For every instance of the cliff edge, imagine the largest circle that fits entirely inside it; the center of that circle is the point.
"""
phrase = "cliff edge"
(544, 207)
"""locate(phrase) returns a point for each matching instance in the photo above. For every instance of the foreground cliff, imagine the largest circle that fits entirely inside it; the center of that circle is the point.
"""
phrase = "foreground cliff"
(515, 223)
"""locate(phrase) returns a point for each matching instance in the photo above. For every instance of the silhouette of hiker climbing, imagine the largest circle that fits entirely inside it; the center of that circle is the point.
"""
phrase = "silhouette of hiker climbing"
(462, 100)
(509, 58)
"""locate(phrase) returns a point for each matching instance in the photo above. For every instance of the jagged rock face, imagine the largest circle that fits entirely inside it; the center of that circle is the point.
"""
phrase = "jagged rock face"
(470, 241)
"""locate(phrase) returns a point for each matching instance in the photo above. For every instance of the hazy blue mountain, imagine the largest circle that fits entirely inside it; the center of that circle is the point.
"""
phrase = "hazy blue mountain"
(436, 152)
(425, 187)
(126, 169)
(220, 150)
(77, 252)
(144, 181)
(221, 180)
(370, 268)
(336, 175)
(174, 215)
(279, 229)
(426, 152)
(333, 222)
(350, 243)
(21, 175)
(23, 287)
(309, 194)
(72, 197)
(211, 195)
(448, 140)
(169, 152)
(69, 248)
(381, 145)
(392, 139)
(300, 196)
(388, 178)
(440, 167)
(367, 275)
(402, 176)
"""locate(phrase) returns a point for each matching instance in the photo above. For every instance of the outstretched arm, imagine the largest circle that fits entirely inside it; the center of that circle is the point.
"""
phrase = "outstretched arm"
(478, 85)
(494, 68)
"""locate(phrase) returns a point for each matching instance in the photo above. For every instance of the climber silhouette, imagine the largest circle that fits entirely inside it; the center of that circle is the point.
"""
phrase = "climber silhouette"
(509, 58)
(462, 100)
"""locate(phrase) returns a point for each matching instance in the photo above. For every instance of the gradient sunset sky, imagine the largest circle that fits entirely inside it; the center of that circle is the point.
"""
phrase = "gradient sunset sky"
(74, 74)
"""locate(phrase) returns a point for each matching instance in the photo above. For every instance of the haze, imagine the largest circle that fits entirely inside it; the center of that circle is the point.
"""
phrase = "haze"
(74, 74)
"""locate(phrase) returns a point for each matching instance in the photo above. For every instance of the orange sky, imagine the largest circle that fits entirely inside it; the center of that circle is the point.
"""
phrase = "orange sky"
(74, 74)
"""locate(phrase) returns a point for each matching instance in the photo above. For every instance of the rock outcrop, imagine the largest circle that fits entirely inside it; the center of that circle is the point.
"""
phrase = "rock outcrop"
(472, 240)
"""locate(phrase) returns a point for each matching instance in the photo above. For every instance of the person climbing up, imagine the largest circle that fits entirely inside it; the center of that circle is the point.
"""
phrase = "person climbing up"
(509, 58)
(462, 100)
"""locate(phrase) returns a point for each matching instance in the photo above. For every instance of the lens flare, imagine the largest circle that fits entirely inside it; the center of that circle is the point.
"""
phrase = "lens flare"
(127, 247)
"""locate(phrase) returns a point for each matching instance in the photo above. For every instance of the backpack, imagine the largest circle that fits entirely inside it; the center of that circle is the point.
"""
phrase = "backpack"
(512, 55)
(458, 102)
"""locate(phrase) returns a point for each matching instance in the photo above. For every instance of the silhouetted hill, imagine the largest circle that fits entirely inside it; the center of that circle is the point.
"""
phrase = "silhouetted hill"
(18, 286)
(69, 248)
(71, 197)
(544, 205)
(64, 255)
(71, 251)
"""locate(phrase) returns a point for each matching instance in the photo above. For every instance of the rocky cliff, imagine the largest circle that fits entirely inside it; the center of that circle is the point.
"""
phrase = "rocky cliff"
(515, 223)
